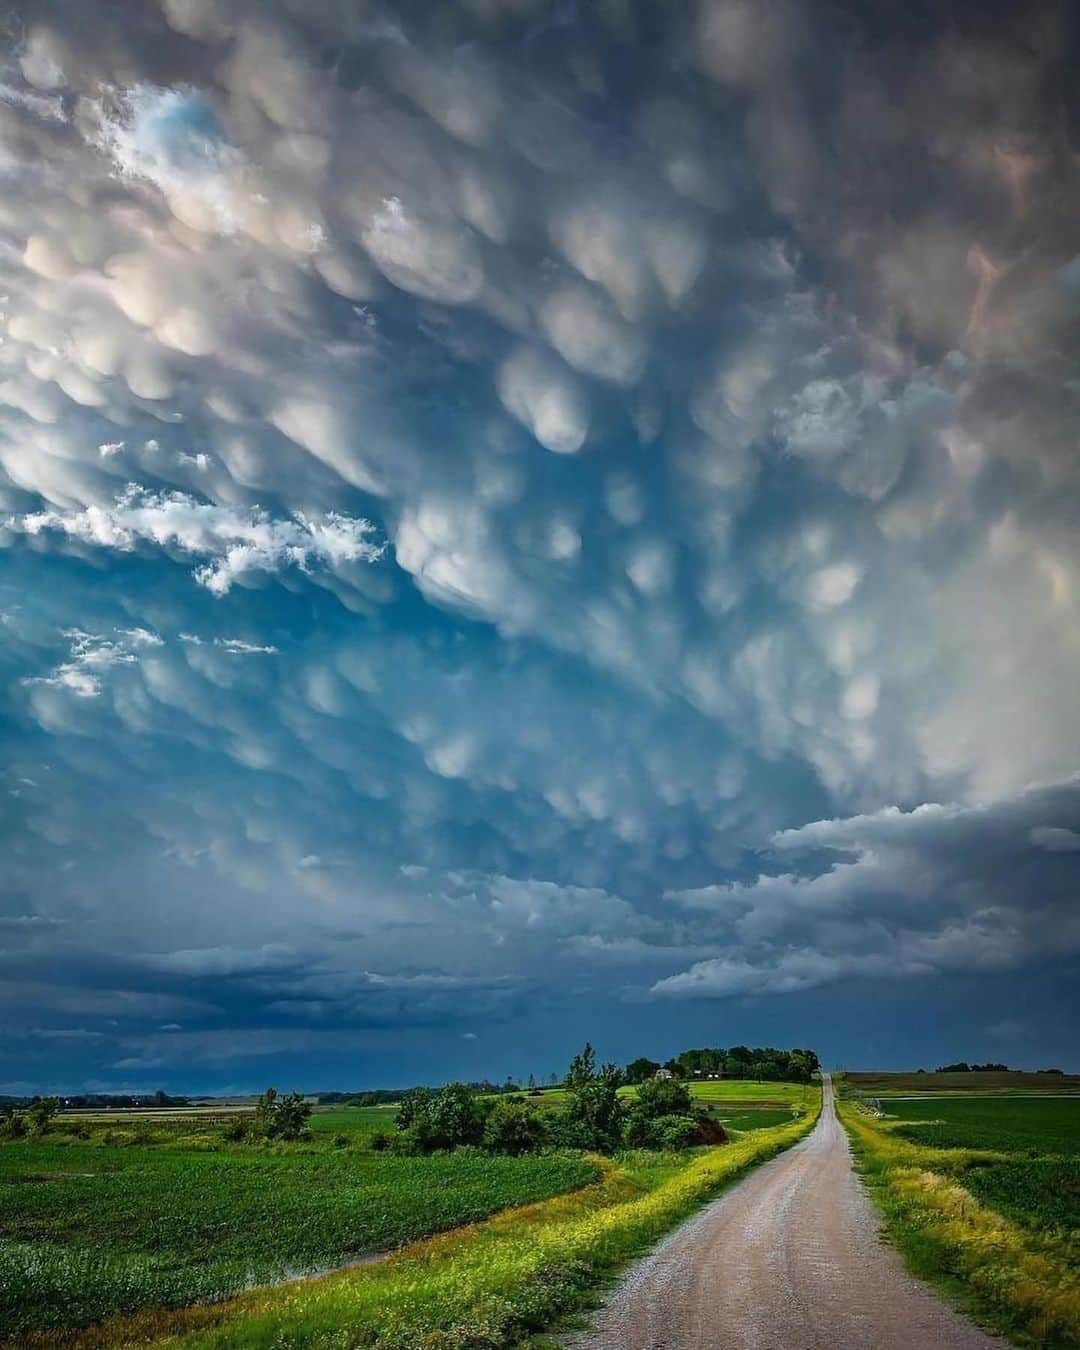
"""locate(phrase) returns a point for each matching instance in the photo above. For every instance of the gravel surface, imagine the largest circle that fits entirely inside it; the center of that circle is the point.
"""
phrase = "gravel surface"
(789, 1259)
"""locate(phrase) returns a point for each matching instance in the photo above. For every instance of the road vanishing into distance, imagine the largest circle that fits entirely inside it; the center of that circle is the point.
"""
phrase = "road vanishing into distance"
(789, 1259)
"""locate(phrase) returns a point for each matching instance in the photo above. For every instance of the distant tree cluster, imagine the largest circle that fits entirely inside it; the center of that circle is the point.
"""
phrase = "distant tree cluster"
(100, 1101)
(388, 1096)
(762, 1063)
(281, 1117)
(963, 1067)
(593, 1117)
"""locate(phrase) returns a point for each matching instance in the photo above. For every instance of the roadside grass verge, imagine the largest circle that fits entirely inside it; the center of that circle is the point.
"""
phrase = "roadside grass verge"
(484, 1287)
(1017, 1280)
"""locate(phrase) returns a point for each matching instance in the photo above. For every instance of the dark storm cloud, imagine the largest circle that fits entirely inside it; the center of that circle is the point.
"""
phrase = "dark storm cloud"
(478, 482)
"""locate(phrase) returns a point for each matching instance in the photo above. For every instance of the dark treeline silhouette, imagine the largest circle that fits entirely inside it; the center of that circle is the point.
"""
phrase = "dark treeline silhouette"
(763, 1063)
(102, 1101)
(963, 1067)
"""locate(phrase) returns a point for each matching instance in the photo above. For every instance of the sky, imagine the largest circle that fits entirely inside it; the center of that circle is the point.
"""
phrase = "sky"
(525, 521)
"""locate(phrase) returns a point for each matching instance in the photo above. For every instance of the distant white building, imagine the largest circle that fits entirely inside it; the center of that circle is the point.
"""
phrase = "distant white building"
(663, 1073)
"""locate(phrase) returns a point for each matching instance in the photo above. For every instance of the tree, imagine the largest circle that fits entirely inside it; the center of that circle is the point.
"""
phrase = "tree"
(640, 1070)
(41, 1112)
(12, 1125)
(429, 1120)
(284, 1118)
(664, 1097)
(662, 1100)
(593, 1115)
(514, 1127)
(582, 1068)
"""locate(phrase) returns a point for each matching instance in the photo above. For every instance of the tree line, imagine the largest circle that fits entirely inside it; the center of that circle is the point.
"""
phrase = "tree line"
(591, 1116)
(763, 1064)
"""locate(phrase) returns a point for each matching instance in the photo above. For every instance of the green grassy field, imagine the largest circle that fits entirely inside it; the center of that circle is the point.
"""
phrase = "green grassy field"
(1011, 1124)
(160, 1212)
(90, 1230)
(737, 1104)
(982, 1195)
(483, 1287)
(884, 1084)
(1035, 1188)
(359, 1123)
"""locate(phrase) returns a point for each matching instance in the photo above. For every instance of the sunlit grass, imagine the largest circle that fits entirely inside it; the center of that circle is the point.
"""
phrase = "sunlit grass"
(1024, 1280)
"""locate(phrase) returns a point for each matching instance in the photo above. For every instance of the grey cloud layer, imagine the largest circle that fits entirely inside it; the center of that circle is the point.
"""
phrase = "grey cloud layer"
(508, 462)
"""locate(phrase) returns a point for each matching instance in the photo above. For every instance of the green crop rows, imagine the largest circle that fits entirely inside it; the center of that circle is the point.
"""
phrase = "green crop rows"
(1040, 1187)
(88, 1230)
(1012, 1124)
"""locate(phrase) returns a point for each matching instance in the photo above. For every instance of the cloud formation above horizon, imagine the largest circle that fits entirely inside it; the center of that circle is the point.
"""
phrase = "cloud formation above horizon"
(505, 502)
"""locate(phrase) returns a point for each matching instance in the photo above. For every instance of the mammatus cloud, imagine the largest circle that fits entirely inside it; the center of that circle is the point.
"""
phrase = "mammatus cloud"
(664, 460)
(238, 544)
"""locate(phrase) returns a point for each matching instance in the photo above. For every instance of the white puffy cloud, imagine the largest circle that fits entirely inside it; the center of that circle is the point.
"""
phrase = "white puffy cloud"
(238, 544)
(91, 655)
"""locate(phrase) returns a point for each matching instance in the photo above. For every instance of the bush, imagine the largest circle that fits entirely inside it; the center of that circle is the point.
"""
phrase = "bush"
(118, 1138)
(514, 1127)
(709, 1131)
(237, 1130)
(282, 1118)
(429, 1121)
(593, 1115)
(41, 1113)
(340, 1141)
(662, 1116)
(675, 1132)
(664, 1097)
(12, 1126)
(380, 1141)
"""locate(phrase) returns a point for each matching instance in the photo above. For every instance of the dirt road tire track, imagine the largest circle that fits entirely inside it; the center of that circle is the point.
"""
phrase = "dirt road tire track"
(789, 1259)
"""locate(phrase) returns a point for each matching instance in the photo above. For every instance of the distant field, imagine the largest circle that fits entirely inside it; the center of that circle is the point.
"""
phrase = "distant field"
(885, 1083)
(90, 1230)
(713, 1090)
(1011, 1124)
(746, 1090)
(358, 1122)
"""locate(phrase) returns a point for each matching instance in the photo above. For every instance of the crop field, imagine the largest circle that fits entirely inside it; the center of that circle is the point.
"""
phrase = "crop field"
(885, 1084)
(1035, 1188)
(721, 1090)
(358, 1123)
(90, 1230)
(490, 1284)
(1030, 1125)
(757, 1118)
(133, 1214)
(982, 1193)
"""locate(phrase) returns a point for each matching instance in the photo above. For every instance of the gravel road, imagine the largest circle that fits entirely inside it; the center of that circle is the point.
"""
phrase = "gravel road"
(789, 1259)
